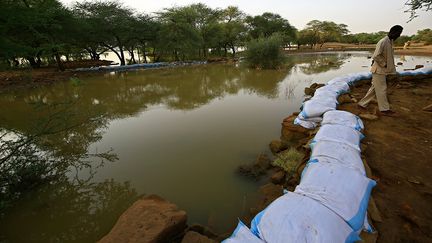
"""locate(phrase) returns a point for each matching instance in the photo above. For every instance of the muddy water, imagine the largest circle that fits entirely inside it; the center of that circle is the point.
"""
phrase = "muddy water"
(179, 133)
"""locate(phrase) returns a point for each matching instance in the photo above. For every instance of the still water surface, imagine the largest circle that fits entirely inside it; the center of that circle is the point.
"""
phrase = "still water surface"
(179, 133)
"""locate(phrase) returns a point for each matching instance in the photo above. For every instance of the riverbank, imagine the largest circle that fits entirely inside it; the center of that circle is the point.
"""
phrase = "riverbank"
(396, 152)
(415, 50)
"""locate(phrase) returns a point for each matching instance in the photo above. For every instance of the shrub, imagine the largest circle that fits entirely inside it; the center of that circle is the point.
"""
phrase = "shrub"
(265, 53)
(288, 160)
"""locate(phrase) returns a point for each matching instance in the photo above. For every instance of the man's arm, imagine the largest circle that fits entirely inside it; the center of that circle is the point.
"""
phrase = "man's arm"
(378, 55)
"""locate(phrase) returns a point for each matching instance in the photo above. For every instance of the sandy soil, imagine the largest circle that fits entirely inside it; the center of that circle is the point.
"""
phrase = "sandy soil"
(399, 152)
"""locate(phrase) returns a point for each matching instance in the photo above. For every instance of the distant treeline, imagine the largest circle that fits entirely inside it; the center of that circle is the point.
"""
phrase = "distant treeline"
(46, 31)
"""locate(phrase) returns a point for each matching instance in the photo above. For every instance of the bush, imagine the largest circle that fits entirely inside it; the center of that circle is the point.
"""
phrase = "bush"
(288, 160)
(265, 53)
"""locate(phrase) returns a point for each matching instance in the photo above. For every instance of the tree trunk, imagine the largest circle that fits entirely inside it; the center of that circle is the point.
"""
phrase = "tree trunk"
(58, 60)
(122, 58)
(226, 51)
(144, 52)
(233, 50)
(131, 53)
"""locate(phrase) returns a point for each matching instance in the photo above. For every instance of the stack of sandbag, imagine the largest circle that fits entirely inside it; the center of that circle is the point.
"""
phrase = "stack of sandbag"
(295, 218)
(325, 99)
(420, 71)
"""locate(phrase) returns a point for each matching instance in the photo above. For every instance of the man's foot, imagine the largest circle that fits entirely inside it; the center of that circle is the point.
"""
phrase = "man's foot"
(388, 113)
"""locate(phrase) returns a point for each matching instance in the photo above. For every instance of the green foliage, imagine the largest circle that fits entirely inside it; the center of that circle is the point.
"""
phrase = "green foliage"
(265, 53)
(30, 160)
(268, 24)
(424, 35)
(288, 160)
(319, 32)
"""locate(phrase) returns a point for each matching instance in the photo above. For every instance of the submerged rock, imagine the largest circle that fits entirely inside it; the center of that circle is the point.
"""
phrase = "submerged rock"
(257, 168)
(150, 219)
(194, 237)
(278, 177)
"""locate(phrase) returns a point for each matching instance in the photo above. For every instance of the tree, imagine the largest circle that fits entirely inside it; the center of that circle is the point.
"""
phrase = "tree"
(424, 35)
(35, 29)
(415, 5)
(267, 24)
(326, 31)
(111, 21)
(233, 29)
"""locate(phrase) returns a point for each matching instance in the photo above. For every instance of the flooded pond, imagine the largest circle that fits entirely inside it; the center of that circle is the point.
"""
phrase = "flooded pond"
(179, 133)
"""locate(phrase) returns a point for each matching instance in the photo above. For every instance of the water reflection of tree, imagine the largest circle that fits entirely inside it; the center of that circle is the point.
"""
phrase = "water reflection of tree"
(56, 143)
(66, 212)
(312, 64)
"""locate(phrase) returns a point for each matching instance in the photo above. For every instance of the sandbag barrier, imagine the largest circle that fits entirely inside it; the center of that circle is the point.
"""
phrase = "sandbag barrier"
(140, 66)
(330, 202)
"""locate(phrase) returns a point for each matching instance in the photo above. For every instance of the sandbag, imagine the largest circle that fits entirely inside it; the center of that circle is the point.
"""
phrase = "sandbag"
(343, 190)
(335, 152)
(296, 218)
(338, 133)
(308, 124)
(315, 108)
(242, 234)
(344, 118)
(326, 160)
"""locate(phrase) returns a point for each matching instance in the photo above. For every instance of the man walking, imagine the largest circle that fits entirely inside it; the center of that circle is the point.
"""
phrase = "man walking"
(382, 65)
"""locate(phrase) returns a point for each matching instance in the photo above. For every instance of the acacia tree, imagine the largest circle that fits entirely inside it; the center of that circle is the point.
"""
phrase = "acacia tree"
(233, 29)
(35, 29)
(112, 21)
(267, 24)
(325, 31)
(415, 5)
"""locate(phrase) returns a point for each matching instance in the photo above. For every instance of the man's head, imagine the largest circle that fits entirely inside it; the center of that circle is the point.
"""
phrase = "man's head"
(395, 32)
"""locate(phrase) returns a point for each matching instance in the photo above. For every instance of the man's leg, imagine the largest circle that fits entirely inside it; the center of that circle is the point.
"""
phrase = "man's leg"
(380, 85)
(369, 95)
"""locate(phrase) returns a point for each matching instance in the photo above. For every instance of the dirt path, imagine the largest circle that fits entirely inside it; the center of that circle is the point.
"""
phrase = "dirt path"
(399, 152)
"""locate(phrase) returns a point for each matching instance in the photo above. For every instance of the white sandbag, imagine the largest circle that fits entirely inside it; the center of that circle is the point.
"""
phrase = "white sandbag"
(315, 108)
(344, 118)
(342, 153)
(308, 124)
(345, 191)
(242, 234)
(326, 160)
(338, 133)
(339, 87)
(342, 79)
(296, 218)
(326, 93)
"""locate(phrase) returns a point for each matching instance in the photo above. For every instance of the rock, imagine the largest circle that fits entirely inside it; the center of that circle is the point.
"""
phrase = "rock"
(194, 237)
(276, 146)
(418, 66)
(428, 108)
(309, 91)
(345, 98)
(257, 168)
(278, 177)
(150, 219)
(368, 116)
(291, 132)
(203, 230)
(400, 63)
(269, 193)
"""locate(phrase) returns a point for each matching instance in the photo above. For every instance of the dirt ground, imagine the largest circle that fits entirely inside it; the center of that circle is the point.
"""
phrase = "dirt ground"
(399, 152)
